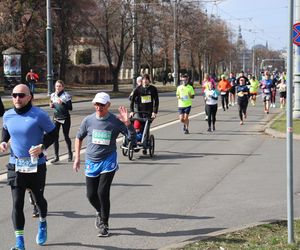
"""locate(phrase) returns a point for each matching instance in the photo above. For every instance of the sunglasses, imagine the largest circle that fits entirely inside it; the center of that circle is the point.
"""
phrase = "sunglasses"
(20, 95)
(100, 104)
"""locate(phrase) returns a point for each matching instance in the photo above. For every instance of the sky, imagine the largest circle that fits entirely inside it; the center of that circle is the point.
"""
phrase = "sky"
(261, 21)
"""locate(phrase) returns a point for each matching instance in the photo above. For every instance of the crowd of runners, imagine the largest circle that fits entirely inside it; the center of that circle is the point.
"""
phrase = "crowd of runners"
(27, 163)
(240, 89)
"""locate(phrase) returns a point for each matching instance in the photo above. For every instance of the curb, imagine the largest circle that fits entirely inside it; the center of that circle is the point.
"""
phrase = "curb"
(274, 133)
(183, 244)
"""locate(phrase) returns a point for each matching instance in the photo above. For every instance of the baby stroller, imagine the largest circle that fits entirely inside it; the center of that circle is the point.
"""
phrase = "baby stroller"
(145, 143)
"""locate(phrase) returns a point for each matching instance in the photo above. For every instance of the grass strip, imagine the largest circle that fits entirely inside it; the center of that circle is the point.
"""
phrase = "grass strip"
(263, 237)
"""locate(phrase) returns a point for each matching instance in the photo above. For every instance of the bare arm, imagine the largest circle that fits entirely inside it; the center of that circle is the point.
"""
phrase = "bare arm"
(76, 164)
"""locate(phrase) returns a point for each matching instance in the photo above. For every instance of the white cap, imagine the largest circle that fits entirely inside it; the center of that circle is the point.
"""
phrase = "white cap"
(102, 98)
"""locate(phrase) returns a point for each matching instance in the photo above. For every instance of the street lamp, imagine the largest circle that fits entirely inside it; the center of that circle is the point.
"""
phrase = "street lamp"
(175, 52)
(175, 55)
(49, 48)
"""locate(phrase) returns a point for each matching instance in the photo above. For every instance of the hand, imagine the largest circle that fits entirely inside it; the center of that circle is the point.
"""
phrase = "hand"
(59, 101)
(153, 116)
(131, 114)
(123, 115)
(3, 146)
(36, 150)
(51, 105)
(76, 165)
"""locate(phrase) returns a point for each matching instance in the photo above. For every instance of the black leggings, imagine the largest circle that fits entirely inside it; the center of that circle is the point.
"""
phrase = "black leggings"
(36, 183)
(66, 129)
(224, 100)
(211, 111)
(242, 108)
(98, 190)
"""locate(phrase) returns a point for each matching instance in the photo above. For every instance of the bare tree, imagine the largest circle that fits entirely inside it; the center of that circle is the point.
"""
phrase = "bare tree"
(113, 27)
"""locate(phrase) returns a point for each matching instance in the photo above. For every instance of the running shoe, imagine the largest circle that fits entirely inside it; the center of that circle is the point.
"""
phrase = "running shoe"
(104, 231)
(35, 212)
(209, 130)
(241, 122)
(186, 131)
(214, 128)
(19, 244)
(98, 221)
(41, 236)
(56, 159)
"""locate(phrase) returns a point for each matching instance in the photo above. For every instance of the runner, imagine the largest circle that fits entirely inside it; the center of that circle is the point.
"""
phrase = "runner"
(266, 85)
(232, 90)
(145, 99)
(282, 92)
(254, 86)
(185, 93)
(27, 168)
(223, 87)
(101, 129)
(242, 100)
(61, 102)
(211, 106)
(205, 84)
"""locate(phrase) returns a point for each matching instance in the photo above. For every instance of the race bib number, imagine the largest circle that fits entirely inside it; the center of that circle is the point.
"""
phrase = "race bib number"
(24, 165)
(223, 93)
(101, 137)
(184, 98)
(240, 94)
(266, 91)
(146, 99)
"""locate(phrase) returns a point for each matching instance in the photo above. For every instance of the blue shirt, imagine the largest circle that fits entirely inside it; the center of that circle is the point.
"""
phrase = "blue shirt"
(26, 130)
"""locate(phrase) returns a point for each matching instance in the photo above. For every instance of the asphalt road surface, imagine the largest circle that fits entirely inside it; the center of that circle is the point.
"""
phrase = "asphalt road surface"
(196, 184)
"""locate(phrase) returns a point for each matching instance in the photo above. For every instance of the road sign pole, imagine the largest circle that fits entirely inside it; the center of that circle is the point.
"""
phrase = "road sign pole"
(289, 126)
(296, 110)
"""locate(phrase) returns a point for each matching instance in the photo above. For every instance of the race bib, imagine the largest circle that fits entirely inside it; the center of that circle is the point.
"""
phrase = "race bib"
(24, 165)
(101, 137)
(184, 98)
(240, 94)
(223, 93)
(266, 91)
(146, 99)
(59, 120)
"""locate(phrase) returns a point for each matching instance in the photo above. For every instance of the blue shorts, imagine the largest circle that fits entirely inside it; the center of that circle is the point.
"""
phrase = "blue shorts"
(185, 110)
(94, 169)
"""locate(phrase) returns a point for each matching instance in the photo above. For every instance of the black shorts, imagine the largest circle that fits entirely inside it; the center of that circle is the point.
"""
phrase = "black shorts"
(282, 94)
(232, 90)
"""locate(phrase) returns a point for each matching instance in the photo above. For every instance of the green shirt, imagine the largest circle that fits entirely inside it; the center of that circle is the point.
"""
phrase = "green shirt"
(254, 86)
(184, 94)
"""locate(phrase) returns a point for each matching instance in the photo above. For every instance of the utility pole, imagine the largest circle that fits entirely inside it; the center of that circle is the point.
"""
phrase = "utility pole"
(296, 111)
(134, 46)
(175, 55)
(49, 48)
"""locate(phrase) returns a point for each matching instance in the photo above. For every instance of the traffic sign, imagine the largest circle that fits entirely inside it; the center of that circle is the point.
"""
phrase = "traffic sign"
(296, 34)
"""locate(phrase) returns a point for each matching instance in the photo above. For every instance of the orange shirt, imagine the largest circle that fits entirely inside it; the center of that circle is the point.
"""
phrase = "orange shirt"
(224, 85)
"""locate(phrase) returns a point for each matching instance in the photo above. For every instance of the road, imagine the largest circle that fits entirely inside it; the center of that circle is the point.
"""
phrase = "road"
(197, 184)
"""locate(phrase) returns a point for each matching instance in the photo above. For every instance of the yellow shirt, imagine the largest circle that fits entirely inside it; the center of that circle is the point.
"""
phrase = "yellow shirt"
(184, 94)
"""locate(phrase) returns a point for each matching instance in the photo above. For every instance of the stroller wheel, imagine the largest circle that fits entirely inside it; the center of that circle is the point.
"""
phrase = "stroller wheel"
(151, 145)
(130, 151)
